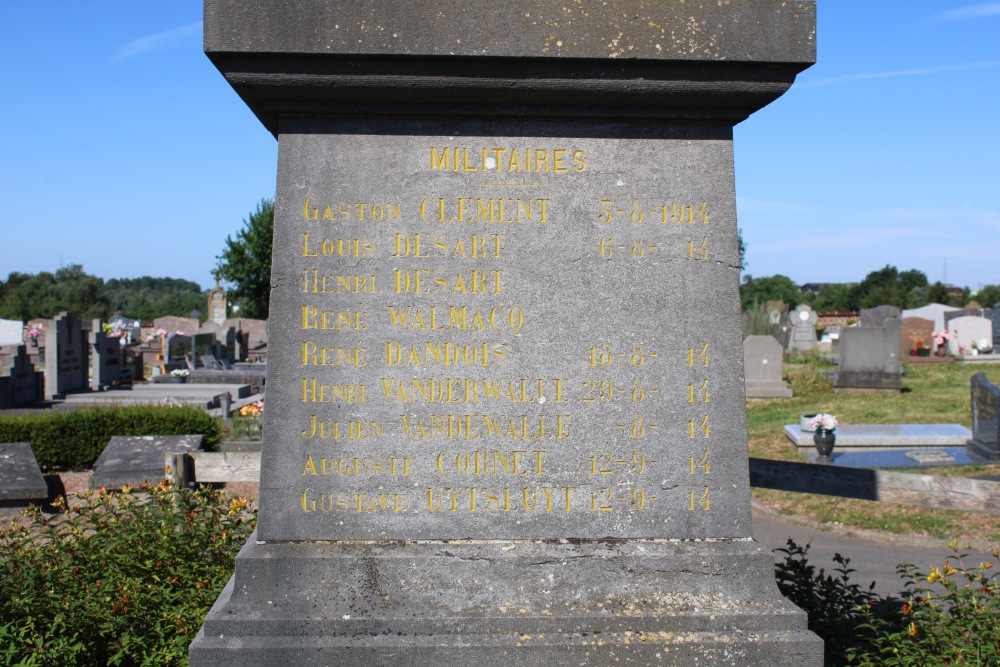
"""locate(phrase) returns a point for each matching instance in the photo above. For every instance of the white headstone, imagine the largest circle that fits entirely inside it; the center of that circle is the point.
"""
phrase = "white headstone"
(968, 331)
(11, 332)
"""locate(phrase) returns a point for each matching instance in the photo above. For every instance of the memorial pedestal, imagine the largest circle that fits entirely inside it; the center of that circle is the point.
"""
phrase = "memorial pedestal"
(505, 603)
(505, 388)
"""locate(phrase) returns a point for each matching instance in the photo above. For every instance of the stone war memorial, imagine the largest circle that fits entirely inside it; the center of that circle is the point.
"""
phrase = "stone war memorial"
(506, 415)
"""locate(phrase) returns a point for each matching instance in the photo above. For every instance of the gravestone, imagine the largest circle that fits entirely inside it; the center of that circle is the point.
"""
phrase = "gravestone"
(934, 312)
(66, 369)
(915, 332)
(130, 327)
(803, 337)
(176, 350)
(185, 326)
(250, 338)
(20, 477)
(203, 344)
(134, 459)
(869, 358)
(20, 383)
(970, 330)
(985, 443)
(993, 315)
(762, 358)
(11, 332)
(874, 317)
(106, 357)
(217, 303)
(960, 312)
(506, 418)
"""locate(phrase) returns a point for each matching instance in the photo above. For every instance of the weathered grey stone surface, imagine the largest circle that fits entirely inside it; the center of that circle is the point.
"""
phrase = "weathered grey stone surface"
(985, 442)
(803, 336)
(134, 459)
(869, 358)
(762, 359)
(20, 383)
(879, 436)
(106, 358)
(505, 418)
(66, 357)
(20, 477)
(874, 317)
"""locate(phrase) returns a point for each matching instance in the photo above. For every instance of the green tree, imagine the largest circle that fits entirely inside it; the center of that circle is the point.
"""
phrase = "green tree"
(245, 263)
(832, 298)
(888, 287)
(755, 291)
(147, 298)
(988, 296)
(26, 296)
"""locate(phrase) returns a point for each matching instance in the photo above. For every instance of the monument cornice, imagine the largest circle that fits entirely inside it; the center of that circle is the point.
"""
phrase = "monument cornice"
(629, 59)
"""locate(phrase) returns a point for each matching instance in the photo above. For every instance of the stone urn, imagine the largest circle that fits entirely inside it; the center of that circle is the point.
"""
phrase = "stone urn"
(824, 440)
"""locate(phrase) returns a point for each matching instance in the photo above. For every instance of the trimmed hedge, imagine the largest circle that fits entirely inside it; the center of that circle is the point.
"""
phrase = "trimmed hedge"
(73, 440)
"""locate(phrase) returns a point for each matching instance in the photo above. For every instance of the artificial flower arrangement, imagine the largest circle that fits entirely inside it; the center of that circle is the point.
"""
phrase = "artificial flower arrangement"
(252, 409)
(941, 336)
(180, 373)
(824, 422)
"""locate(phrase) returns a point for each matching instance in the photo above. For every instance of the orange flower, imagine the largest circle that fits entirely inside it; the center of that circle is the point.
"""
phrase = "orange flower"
(911, 630)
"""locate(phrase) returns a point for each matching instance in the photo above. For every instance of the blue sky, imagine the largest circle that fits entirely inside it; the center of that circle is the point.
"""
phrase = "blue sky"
(126, 151)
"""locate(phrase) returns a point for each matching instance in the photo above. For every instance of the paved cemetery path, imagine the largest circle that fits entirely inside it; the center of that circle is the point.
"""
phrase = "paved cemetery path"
(873, 555)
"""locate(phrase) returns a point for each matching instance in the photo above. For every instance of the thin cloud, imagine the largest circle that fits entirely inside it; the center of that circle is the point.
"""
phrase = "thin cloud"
(157, 42)
(981, 10)
(864, 76)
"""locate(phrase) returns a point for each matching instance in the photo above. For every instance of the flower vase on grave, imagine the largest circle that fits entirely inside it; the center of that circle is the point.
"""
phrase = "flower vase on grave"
(824, 439)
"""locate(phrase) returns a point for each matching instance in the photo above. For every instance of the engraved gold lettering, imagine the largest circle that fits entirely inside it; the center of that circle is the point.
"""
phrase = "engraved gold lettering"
(327, 429)
(476, 426)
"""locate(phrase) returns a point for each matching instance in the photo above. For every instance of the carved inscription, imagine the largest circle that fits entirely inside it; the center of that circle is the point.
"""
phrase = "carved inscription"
(423, 343)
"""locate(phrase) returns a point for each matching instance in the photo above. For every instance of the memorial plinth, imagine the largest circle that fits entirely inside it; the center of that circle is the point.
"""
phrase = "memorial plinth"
(506, 415)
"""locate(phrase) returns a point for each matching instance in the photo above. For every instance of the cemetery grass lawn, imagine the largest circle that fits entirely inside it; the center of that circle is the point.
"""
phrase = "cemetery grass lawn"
(932, 394)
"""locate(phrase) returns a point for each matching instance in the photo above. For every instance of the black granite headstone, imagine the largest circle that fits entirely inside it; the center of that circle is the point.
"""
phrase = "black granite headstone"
(985, 442)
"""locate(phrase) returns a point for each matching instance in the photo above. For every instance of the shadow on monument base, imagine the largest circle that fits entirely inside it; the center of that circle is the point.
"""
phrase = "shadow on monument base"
(705, 602)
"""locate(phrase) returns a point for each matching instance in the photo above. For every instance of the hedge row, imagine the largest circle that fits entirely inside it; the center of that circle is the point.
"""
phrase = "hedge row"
(73, 440)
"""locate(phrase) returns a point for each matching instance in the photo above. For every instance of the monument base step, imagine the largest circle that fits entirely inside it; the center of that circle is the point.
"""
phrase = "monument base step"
(488, 603)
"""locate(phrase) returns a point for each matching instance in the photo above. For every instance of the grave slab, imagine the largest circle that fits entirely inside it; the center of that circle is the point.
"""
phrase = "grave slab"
(134, 459)
(898, 458)
(862, 437)
(20, 477)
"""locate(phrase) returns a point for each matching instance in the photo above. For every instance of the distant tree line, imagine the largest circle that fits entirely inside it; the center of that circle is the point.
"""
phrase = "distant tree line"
(886, 287)
(25, 296)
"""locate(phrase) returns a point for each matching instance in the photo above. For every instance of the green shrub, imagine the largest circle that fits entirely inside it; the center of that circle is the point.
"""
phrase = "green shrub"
(117, 578)
(956, 624)
(72, 440)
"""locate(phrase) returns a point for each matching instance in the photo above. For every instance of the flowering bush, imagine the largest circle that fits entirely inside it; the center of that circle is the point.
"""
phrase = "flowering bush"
(953, 624)
(117, 578)
(824, 422)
